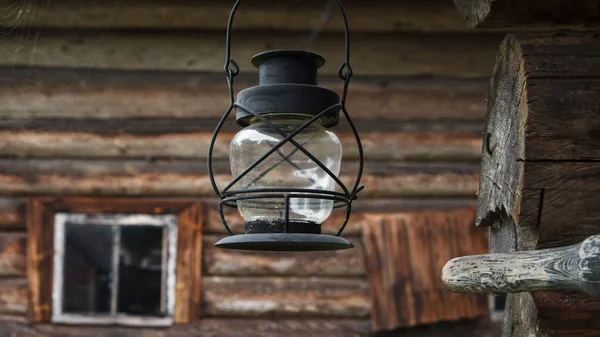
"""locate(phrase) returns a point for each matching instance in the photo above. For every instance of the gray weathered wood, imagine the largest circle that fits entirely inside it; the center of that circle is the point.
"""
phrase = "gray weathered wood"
(572, 268)
(469, 56)
(540, 176)
(527, 13)
(374, 16)
(189, 178)
(41, 93)
(408, 146)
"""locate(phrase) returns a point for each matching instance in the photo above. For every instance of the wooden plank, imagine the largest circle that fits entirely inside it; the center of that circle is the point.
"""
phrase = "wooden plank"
(189, 264)
(13, 297)
(38, 93)
(13, 251)
(469, 56)
(206, 327)
(364, 212)
(412, 280)
(504, 13)
(284, 297)
(534, 162)
(40, 249)
(376, 145)
(560, 269)
(221, 262)
(423, 16)
(12, 214)
(161, 178)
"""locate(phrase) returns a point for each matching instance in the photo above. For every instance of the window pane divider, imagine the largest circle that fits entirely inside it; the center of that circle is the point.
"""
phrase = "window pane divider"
(114, 293)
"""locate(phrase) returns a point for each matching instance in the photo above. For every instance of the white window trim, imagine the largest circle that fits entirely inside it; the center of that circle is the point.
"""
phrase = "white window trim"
(168, 221)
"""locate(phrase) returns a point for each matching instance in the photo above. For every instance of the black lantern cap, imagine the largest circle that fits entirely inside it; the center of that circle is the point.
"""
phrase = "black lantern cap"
(287, 85)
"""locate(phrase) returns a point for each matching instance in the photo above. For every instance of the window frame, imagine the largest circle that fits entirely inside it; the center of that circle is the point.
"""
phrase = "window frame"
(40, 214)
(113, 220)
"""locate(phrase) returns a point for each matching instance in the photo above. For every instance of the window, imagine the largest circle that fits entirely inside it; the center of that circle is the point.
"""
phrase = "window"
(497, 306)
(114, 269)
(117, 261)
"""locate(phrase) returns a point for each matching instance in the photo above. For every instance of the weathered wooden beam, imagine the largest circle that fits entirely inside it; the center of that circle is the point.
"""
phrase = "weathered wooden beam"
(38, 94)
(362, 211)
(13, 297)
(12, 214)
(529, 13)
(469, 56)
(377, 16)
(572, 268)
(13, 253)
(408, 146)
(183, 178)
(412, 280)
(212, 327)
(284, 297)
(540, 175)
(365, 212)
(189, 264)
(221, 262)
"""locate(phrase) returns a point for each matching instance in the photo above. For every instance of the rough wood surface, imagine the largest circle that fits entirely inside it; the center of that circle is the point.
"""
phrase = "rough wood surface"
(469, 56)
(215, 327)
(263, 297)
(509, 14)
(409, 146)
(539, 178)
(189, 264)
(253, 15)
(13, 252)
(12, 214)
(13, 297)
(40, 252)
(572, 268)
(181, 178)
(221, 262)
(364, 212)
(412, 279)
(58, 93)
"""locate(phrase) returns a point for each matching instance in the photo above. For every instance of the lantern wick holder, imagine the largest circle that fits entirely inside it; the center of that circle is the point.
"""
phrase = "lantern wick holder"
(287, 85)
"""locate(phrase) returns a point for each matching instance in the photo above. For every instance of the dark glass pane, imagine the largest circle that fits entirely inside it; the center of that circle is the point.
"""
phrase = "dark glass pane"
(141, 267)
(87, 269)
(499, 302)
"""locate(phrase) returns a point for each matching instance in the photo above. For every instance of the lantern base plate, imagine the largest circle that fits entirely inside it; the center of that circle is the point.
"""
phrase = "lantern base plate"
(284, 242)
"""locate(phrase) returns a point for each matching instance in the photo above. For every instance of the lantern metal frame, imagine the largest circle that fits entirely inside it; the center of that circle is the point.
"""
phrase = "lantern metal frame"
(230, 197)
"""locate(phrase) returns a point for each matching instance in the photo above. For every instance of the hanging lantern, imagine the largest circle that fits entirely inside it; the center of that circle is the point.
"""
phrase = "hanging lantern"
(285, 161)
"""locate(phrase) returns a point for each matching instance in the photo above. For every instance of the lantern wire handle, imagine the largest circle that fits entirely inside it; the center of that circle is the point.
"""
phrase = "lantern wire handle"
(345, 73)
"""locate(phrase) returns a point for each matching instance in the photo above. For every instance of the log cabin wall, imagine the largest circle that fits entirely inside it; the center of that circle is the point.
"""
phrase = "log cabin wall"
(119, 99)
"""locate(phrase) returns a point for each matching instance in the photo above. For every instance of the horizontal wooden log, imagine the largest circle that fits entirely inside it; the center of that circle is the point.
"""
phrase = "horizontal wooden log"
(215, 327)
(12, 254)
(161, 178)
(566, 269)
(221, 262)
(284, 297)
(211, 327)
(469, 56)
(379, 16)
(12, 214)
(408, 146)
(364, 213)
(14, 211)
(99, 95)
(504, 13)
(13, 297)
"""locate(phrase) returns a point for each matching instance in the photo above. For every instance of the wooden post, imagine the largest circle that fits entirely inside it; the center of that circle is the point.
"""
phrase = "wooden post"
(540, 178)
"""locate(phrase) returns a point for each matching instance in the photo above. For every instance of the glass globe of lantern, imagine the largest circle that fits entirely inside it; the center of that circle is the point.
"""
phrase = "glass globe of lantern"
(282, 193)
